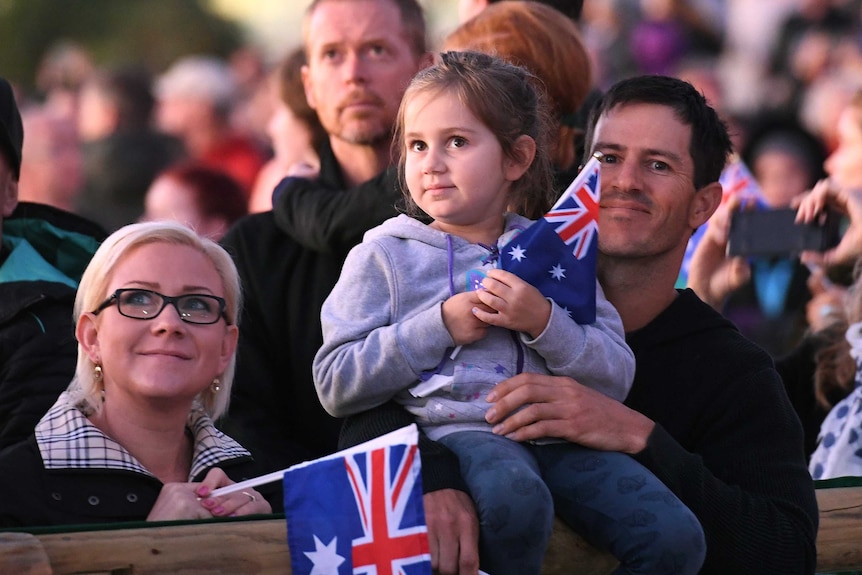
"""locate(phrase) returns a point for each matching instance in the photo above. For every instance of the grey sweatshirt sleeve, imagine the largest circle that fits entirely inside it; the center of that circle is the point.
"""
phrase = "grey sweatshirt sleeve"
(367, 356)
(596, 355)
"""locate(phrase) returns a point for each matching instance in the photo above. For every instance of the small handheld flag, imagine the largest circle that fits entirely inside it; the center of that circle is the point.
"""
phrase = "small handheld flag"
(736, 180)
(359, 511)
(557, 253)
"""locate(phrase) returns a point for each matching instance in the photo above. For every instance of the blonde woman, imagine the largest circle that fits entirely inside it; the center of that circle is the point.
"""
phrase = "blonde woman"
(132, 438)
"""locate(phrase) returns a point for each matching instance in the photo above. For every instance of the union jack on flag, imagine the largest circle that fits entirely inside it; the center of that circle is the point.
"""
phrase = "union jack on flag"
(557, 253)
(358, 513)
(577, 210)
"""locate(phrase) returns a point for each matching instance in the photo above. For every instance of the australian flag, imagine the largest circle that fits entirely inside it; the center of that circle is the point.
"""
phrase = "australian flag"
(359, 511)
(557, 253)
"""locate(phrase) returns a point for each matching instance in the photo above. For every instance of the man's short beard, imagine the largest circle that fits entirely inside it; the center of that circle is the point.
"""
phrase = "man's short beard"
(372, 138)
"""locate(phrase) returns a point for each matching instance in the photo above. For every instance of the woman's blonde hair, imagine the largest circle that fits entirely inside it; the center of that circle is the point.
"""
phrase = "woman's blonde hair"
(92, 291)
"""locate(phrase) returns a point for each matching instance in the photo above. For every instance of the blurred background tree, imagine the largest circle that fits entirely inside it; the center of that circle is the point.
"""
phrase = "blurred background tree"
(149, 32)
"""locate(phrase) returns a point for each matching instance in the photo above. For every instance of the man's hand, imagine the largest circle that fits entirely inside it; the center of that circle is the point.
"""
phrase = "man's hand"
(555, 406)
(453, 532)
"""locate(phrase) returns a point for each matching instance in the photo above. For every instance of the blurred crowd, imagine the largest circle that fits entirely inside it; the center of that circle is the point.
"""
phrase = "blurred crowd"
(99, 135)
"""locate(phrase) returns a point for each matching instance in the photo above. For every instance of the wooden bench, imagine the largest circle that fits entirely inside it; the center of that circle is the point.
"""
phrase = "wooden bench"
(260, 546)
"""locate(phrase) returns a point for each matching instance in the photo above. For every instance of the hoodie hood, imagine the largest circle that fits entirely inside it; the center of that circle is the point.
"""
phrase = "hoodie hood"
(407, 228)
(47, 244)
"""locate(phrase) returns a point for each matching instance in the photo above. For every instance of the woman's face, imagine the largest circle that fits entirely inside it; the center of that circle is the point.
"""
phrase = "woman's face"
(162, 361)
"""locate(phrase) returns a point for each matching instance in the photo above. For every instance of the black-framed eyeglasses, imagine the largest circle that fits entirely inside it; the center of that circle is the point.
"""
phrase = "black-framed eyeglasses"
(138, 303)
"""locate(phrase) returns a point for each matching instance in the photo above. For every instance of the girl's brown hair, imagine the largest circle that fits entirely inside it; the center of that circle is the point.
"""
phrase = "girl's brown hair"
(505, 99)
(539, 38)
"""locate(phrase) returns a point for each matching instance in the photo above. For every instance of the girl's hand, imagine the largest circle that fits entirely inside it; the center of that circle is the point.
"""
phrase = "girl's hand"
(458, 317)
(514, 304)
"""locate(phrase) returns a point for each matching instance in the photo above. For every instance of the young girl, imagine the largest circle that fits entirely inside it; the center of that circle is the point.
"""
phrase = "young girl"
(472, 136)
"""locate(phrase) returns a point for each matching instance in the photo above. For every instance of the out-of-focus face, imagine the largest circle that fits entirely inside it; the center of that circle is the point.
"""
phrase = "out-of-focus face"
(291, 138)
(8, 191)
(844, 165)
(162, 361)
(51, 167)
(647, 206)
(97, 117)
(781, 176)
(169, 199)
(180, 116)
(455, 167)
(360, 61)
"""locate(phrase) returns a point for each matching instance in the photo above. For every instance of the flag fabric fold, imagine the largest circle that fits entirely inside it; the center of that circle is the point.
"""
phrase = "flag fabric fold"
(359, 511)
(557, 253)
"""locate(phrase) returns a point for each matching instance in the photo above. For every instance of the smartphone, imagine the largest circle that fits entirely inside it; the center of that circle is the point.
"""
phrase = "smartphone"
(775, 233)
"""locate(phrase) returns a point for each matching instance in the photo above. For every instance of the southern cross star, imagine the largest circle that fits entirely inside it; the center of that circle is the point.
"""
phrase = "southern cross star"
(518, 253)
(324, 558)
(557, 272)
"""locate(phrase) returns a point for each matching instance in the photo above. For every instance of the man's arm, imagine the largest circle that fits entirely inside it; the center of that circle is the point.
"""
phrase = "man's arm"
(743, 476)
(274, 411)
(333, 221)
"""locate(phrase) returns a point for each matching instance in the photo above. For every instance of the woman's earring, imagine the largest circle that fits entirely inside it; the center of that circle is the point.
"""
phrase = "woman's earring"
(97, 376)
(216, 385)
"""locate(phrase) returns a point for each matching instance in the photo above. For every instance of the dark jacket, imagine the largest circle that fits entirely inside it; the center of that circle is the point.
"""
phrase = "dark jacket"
(727, 441)
(289, 260)
(69, 472)
(38, 350)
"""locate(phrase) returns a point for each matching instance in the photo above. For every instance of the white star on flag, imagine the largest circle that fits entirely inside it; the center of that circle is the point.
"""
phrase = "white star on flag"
(518, 253)
(557, 272)
(324, 558)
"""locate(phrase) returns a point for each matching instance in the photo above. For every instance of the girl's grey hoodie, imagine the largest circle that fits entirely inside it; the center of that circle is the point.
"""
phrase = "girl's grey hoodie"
(384, 337)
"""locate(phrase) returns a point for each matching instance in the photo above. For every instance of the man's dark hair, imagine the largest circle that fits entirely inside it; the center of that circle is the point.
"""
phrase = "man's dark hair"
(710, 142)
(571, 8)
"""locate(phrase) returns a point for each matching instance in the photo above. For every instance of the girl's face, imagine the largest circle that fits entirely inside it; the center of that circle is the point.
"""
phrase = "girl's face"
(844, 165)
(455, 168)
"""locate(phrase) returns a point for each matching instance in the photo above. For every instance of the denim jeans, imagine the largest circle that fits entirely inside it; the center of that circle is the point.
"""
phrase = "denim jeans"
(607, 497)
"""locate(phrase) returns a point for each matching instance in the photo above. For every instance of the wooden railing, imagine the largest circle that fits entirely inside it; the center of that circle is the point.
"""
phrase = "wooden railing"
(260, 546)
